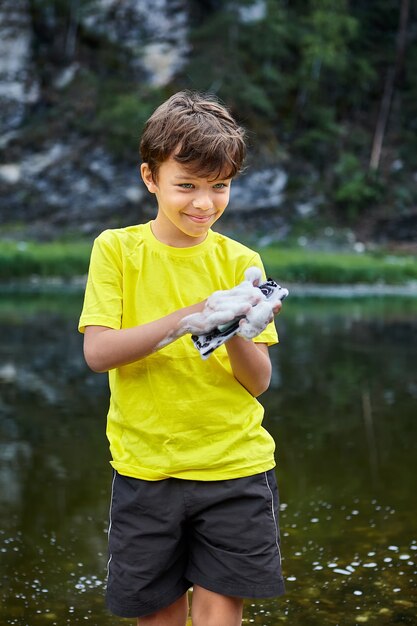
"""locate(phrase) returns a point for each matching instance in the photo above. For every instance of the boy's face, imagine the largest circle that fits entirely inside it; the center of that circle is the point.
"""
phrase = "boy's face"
(187, 204)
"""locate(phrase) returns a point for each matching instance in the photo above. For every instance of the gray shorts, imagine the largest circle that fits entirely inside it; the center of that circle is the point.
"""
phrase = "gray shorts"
(167, 535)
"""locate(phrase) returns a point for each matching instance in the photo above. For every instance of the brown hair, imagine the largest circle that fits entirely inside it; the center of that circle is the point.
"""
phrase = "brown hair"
(198, 132)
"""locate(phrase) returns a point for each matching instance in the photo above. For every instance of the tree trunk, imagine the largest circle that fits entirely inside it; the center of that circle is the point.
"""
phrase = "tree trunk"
(389, 87)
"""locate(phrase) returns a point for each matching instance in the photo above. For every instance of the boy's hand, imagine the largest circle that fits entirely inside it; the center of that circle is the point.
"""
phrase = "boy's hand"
(223, 307)
(258, 318)
(248, 324)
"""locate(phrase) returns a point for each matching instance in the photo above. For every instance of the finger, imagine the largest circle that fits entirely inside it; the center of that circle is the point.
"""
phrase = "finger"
(253, 275)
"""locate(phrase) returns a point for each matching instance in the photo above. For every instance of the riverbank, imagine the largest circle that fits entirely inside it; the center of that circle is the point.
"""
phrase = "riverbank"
(75, 285)
(64, 264)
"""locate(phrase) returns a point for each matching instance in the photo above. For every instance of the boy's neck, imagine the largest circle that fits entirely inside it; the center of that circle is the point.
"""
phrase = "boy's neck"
(174, 239)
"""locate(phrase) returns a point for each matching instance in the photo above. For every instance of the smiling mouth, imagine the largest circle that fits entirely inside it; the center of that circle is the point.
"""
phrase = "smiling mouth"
(200, 219)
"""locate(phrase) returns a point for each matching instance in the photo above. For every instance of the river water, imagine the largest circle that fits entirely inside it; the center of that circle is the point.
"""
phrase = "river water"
(342, 408)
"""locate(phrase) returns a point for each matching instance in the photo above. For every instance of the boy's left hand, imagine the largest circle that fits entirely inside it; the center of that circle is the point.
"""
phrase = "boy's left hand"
(258, 318)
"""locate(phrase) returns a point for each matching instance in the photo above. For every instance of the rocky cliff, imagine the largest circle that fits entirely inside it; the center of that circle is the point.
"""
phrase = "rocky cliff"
(77, 80)
(55, 178)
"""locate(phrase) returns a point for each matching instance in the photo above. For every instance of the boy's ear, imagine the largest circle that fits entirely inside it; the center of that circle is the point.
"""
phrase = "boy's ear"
(147, 177)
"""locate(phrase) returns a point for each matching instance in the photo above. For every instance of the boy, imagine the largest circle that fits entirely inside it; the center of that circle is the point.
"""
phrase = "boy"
(194, 498)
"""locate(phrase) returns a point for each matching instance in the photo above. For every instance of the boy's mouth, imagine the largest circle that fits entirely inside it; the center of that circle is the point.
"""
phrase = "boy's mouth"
(200, 219)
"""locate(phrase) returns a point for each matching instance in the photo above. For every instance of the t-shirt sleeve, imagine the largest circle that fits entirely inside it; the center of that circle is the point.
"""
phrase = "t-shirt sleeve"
(104, 288)
(269, 335)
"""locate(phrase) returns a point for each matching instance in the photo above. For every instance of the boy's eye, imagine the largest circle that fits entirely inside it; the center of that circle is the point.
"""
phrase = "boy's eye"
(192, 186)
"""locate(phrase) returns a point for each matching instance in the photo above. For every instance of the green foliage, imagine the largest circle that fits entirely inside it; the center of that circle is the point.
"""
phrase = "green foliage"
(64, 259)
(321, 134)
(329, 29)
(355, 187)
(242, 62)
(120, 118)
(305, 266)
(309, 74)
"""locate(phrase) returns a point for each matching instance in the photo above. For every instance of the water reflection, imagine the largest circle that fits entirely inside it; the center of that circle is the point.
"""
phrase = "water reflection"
(342, 409)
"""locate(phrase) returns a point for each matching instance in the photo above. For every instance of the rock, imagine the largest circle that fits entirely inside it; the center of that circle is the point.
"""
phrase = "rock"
(37, 162)
(133, 194)
(154, 37)
(160, 60)
(305, 209)
(70, 184)
(253, 13)
(259, 189)
(19, 85)
(10, 173)
(8, 373)
(400, 229)
(66, 76)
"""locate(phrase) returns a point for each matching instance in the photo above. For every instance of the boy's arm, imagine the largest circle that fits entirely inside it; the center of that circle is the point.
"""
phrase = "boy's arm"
(250, 363)
(106, 348)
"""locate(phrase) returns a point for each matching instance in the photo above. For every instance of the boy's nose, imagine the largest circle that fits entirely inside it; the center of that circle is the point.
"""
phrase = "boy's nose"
(203, 202)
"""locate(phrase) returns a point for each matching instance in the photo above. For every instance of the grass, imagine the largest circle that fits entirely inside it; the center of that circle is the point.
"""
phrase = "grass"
(289, 265)
(64, 259)
(20, 260)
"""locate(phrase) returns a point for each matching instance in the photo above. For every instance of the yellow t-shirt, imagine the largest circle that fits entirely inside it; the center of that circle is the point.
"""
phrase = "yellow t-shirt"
(171, 413)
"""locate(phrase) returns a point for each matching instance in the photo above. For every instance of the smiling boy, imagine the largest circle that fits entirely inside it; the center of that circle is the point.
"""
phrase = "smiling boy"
(194, 497)
(187, 204)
